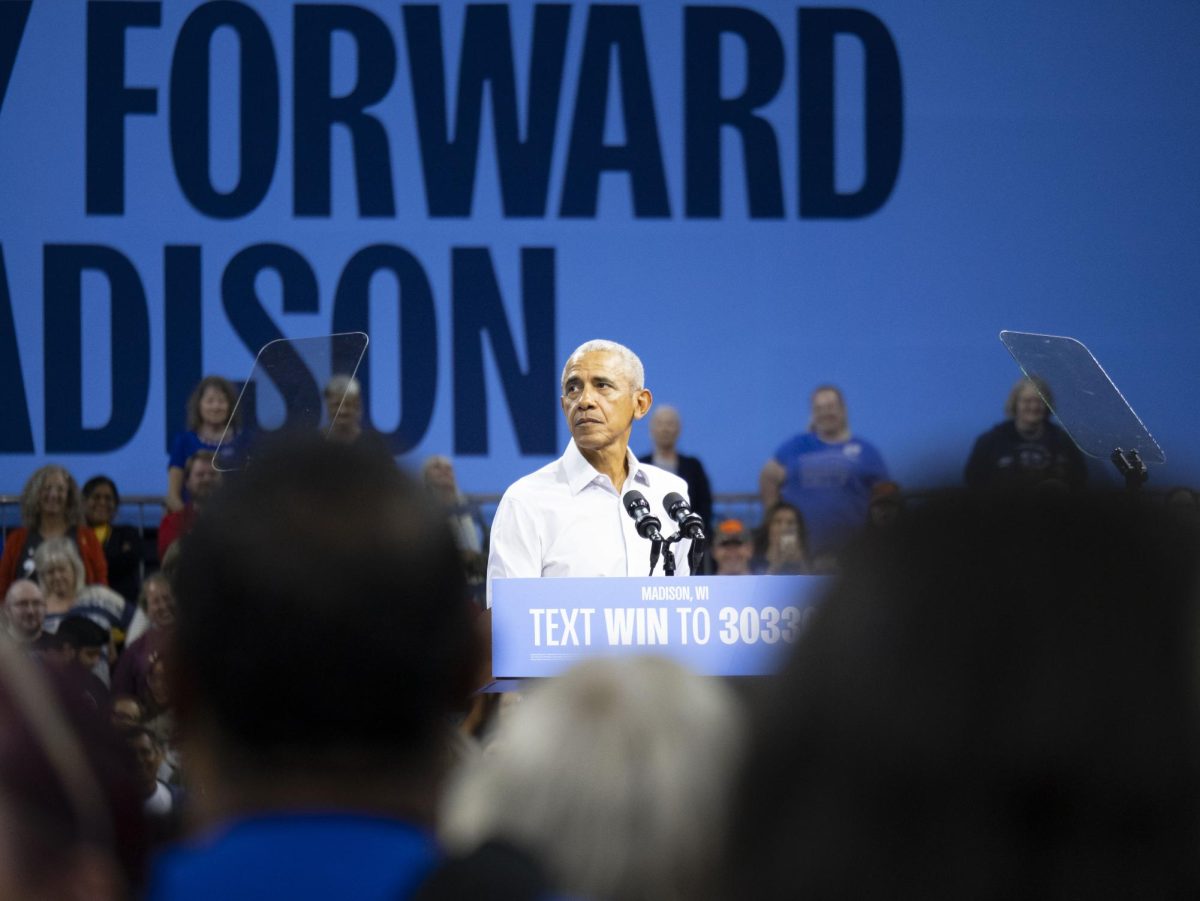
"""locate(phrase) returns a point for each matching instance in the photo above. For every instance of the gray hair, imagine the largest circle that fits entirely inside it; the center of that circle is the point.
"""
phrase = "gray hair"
(53, 551)
(634, 371)
(613, 775)
(343, 386)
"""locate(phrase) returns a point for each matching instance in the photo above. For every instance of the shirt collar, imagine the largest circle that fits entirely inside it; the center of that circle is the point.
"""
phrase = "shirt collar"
(580, 473)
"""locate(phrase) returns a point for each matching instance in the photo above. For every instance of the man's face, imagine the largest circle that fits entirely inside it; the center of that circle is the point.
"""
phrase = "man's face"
(202, 478)
(828, 413)
(599, 402)
(160, 603)
(732, 557)
(26, 609)
(345, 413)
(664, 427)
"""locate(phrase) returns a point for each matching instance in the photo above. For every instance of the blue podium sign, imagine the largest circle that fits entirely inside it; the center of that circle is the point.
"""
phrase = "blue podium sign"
(716, 625)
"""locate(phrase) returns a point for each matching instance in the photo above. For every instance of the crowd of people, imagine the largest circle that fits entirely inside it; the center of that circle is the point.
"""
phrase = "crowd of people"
(996, 697)
(819, 489)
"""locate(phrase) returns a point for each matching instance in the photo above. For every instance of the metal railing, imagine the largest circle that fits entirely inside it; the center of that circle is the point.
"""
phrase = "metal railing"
(142, 510)
(145, 511)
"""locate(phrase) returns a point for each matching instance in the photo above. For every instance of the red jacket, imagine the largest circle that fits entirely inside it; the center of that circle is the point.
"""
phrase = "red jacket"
(174, 525)
(95, 567)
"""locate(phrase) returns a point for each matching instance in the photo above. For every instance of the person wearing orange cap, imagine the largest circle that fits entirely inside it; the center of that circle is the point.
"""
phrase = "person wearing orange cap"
(732, 549)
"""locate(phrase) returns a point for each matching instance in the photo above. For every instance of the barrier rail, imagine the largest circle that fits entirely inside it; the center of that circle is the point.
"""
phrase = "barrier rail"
(146, 510)
(141, 510)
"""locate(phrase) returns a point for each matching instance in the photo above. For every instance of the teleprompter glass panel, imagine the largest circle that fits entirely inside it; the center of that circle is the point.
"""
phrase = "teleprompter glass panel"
(294, 384)
(1082, 396)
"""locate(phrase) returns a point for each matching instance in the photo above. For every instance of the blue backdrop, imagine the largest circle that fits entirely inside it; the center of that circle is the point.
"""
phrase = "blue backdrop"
(757, 198)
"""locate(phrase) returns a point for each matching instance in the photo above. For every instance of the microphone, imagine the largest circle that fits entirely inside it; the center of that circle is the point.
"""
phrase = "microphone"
(679, 510)
(648, 525)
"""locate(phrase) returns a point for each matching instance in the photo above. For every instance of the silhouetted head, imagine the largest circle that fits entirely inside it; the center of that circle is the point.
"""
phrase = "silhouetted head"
(322, 622)
(997, 700)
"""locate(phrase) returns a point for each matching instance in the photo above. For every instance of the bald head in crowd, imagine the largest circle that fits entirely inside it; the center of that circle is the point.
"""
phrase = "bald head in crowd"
(26, 609)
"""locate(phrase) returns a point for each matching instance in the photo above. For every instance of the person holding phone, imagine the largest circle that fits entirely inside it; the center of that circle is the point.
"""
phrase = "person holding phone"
(783, 545)
(827, 473)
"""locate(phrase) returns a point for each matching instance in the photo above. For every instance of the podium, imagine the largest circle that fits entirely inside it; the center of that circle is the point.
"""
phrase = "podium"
(714, 625)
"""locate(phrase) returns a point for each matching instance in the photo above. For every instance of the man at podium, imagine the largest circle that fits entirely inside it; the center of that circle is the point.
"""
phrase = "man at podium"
(570, 518)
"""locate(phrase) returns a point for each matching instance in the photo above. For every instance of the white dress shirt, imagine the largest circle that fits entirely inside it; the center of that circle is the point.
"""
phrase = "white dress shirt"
(567, 519)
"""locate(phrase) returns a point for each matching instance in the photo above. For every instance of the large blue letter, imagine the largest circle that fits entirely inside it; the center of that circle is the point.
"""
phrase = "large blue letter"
(883, 108)
(109, 101)
(258, 101)
(532, 392)
(706, 111)
(248, 318)
(16, 435)
(316, 109)
(63, 268)
(418, 333)
(13, 17)
(487, 58)
(641, 155)
(184, 352)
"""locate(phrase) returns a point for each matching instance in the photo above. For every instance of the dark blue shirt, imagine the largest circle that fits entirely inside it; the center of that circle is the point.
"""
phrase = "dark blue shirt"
(298, 856)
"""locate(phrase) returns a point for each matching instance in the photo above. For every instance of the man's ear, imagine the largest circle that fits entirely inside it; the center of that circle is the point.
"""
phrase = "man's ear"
(642, 401)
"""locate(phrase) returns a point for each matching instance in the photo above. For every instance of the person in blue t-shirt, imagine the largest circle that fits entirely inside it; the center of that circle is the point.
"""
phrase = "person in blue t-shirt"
(827, 473)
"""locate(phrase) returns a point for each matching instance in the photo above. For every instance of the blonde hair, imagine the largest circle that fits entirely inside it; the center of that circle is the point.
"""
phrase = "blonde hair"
(53, 551)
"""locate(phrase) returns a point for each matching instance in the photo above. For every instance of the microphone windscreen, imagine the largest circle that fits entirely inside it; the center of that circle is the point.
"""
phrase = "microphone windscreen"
(634, 500)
